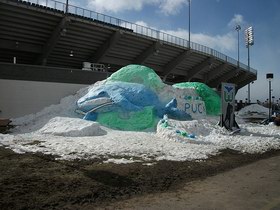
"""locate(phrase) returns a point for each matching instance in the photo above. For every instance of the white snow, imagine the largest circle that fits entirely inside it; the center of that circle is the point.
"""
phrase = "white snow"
(59, 126)
(56, 131)
(253, 111)
(254, 108)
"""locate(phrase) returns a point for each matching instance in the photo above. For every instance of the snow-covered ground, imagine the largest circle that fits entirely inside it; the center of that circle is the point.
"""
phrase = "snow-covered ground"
(55, 130)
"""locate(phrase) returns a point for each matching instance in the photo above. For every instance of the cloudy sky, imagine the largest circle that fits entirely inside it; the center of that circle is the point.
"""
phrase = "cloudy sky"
(213, 25)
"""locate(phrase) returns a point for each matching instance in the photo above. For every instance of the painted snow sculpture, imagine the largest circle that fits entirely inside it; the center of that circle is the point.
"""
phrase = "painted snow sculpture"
(135, 98)
(210, 97)
(127, 99)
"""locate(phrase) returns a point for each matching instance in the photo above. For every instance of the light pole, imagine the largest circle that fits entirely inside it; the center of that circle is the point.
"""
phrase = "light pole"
(66, 9)
(273, 107)
(238, 28)
(269, 77)
(249, 40)
(189, 23)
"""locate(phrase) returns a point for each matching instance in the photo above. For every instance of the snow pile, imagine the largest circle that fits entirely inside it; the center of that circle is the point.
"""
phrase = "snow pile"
(62, 126)
(72, 138)
(253, 111)
(33, 122)
(59, 131)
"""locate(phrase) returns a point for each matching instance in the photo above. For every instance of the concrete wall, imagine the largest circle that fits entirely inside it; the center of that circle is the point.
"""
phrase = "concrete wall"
(18, 98)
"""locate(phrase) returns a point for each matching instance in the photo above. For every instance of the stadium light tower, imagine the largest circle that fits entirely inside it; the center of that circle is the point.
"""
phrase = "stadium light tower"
(238, 28)
(249, 40)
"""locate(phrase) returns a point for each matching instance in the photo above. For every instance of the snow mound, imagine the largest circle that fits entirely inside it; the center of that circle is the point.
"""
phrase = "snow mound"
(73, 127)
(72, 138)
(59, 131)
(253, 108)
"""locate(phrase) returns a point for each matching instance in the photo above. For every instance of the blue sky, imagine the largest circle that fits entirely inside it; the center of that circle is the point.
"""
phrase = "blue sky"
(213, 25)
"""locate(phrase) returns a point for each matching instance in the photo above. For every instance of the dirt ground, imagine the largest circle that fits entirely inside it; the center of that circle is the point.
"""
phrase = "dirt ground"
(249, 187)
(37, 181)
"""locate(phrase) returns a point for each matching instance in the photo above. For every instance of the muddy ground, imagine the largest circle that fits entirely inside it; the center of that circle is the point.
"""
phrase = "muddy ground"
(37, 181)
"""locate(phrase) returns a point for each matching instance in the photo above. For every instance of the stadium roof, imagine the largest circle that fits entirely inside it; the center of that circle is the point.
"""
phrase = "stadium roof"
(42, 33)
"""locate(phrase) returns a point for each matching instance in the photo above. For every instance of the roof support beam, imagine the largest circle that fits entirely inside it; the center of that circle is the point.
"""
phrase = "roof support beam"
(245, 82)
(152, 50)
(168, 68)
(224, 78)
(243, 78)
(116, 61)
(20, 46)
(240, 77)
(194, 71)
(104, 49)
(215, 72)
(59, 31)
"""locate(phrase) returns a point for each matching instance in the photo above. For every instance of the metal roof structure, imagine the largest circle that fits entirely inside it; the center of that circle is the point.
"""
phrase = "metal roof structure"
(47, 34)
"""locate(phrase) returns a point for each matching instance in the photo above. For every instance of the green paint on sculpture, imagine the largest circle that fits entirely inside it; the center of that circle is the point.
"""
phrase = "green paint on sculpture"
(138, 74)
(133, 121)
(211, 99)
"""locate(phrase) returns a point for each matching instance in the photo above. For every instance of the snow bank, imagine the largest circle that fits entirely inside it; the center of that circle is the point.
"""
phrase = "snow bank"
(58, 130)
(253, 110)
(70, 138)
(62, 126)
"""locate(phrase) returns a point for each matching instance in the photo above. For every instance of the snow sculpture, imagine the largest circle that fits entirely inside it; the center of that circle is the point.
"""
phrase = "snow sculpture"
(210, 97)
(135, 98)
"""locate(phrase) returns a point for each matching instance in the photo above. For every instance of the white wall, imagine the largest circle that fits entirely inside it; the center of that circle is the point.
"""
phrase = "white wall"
(18, 98)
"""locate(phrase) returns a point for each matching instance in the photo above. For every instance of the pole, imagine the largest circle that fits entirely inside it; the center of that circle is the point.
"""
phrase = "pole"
(249, 97)
(238, 28)
(238, 49)
(249, 41)
(189, 23)
(66, 9)
(269, 89)
(272, 105)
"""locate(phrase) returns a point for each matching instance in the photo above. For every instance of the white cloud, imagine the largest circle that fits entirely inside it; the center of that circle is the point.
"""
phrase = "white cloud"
(116, 6)
(141, 23)
(236, 20)
(168, 7)
(171, 7)
(223, 43)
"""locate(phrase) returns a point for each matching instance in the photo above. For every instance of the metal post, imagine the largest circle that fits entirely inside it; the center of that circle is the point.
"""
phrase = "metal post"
(238, 49)
(269, 98)
(249, 97)
(272, 106)
(269, 77)
(238, 28)
(66, 9)
(189, 23)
